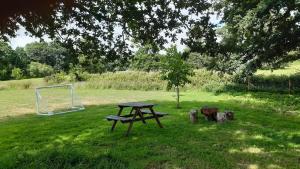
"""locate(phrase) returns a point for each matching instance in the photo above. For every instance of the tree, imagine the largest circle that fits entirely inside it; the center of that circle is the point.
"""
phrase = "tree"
(17, 73)
(7, 57)
(254, 34)
(36, 69)
(175, 70)
(146, 59)
(104, 28)
(51, 54)
(22, 60)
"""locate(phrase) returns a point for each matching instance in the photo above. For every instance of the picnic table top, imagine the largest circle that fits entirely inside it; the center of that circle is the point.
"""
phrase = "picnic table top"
(136, 104)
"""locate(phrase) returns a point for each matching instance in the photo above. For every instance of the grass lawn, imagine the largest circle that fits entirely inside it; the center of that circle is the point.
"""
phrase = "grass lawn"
(265, 134)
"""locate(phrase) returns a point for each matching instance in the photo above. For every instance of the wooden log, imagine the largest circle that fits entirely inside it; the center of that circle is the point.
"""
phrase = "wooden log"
(193, 116)
(210, 113)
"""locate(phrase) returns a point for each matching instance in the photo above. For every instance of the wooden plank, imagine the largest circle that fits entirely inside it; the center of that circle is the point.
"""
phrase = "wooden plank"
(118, 118)
(156, 117)
(136, 104)
(160, 114)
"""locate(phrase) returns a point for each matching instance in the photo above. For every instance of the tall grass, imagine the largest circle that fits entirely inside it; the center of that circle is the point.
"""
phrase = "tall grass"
(130, 80)
(203, 80)
(21, 84)
(137, 80)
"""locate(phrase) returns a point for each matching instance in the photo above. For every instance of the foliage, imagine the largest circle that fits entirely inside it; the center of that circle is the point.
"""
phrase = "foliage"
(77, 73)
(175, 70)
(260, 33)
(146, 59)
(51, 54)
(36, 69)
(17, 73)
(90, 64)
(108, 28)
(6, 58)
(57, 78)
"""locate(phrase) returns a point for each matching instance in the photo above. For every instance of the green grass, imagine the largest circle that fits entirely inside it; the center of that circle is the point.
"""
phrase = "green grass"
(290, 69)
(265, 133)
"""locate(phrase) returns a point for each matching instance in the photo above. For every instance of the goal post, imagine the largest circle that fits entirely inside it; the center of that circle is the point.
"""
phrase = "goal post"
(57, 99)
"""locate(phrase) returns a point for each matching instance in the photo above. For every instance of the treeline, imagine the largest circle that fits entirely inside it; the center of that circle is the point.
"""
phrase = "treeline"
(41, 59)
(34, 60)
(51, 60)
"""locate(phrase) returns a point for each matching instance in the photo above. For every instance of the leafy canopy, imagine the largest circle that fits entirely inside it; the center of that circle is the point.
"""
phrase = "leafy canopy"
(255, 34)
(106, 28)
(174, 69)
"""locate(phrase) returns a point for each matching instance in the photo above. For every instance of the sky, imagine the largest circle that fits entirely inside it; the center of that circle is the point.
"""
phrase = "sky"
(24, 38)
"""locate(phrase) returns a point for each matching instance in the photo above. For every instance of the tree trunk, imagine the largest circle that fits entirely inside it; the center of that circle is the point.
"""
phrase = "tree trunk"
(177, 94)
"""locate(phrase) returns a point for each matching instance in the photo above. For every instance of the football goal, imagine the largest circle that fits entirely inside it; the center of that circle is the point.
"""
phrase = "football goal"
(57, 99)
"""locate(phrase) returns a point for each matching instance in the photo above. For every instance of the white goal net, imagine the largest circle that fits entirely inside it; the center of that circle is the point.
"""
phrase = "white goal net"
(57, 99)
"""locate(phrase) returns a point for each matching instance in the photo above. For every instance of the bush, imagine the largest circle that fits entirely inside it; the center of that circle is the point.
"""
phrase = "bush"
(77, 73)
(57, 78)
(17, 73)
(36, 69)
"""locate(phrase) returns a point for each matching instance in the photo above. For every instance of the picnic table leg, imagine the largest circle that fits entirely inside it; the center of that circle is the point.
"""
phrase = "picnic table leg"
(139, 112)
(131, 111)
(156, 118)
(130, 124)
(115, 121)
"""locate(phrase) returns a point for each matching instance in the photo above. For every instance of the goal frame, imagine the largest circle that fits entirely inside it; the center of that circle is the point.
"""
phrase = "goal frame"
(49, 113)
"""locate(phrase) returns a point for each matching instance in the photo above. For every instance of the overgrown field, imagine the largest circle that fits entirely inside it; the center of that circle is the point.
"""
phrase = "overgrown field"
(265, 133)
(284, 82)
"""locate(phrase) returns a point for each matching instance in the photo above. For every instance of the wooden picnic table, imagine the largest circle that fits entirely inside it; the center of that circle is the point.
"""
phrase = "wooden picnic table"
(139, 112)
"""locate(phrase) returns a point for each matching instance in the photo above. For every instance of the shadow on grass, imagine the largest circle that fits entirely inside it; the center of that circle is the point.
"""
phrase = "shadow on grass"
(258, 138)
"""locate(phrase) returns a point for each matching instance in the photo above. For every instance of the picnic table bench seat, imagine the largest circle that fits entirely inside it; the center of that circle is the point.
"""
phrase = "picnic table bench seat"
(118, 118)
(159, 114)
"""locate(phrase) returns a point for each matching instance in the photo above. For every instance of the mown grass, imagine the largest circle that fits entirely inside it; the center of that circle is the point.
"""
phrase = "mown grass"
(265, 134)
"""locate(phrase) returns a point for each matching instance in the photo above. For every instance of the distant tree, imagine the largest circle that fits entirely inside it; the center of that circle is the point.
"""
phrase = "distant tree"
(36, 69)
(7, 57)
(22, 60)
(175, 70)
(146, 59)
(17, 73)
(90, 64)
(51, 54)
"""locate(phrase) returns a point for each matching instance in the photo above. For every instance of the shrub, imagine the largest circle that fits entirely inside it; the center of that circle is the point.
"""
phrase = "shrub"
(17, 73)
(57, 78)
(77, 73)
(36, 69)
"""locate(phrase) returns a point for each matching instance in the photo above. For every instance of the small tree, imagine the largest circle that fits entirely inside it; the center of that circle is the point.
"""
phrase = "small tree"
(17, 73)
(175, 70)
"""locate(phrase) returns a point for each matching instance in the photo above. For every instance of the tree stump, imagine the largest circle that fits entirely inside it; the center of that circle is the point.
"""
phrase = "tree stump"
(210, 113)
(194, 116)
